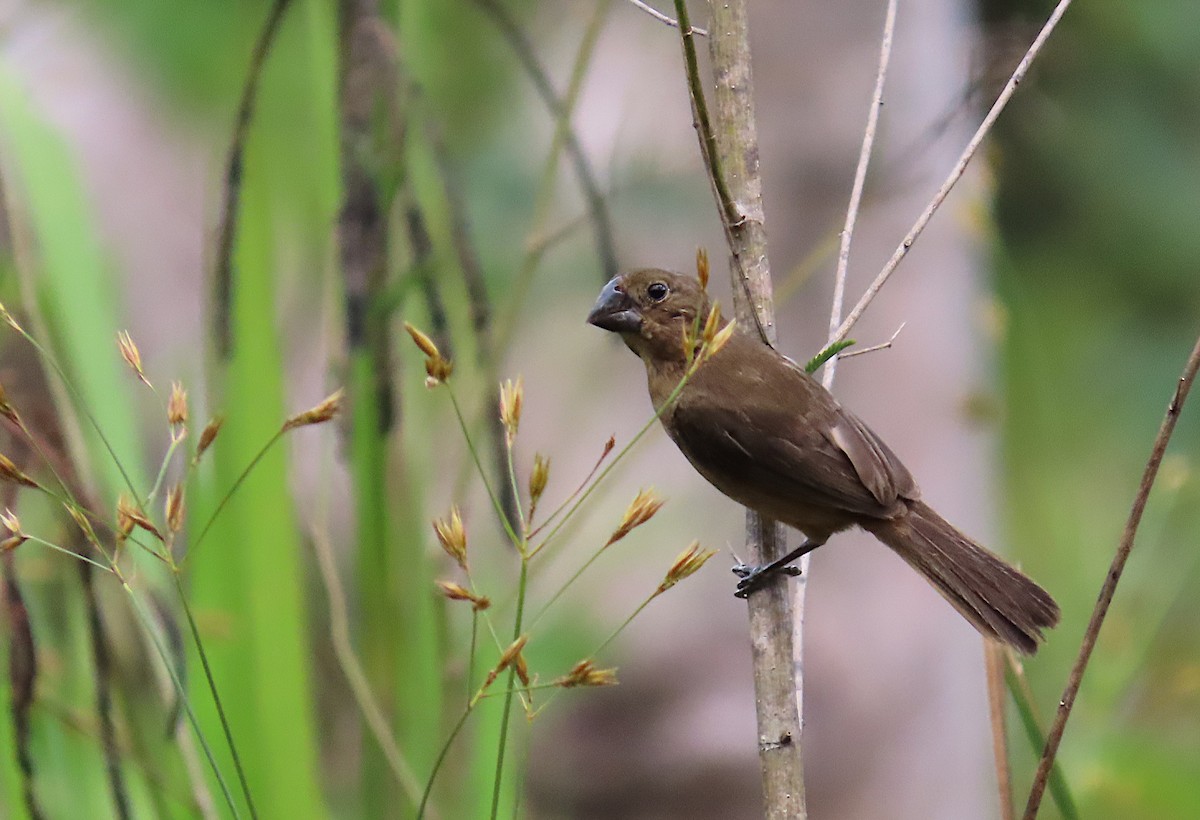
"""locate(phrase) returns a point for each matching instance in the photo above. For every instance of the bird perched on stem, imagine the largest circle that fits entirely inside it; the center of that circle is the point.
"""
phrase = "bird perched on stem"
(769, 436)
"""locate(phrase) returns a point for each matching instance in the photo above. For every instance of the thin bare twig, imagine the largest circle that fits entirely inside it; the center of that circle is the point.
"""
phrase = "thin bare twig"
(227, 227)
(856, 192)
(1054, 737)
(662, 18)
(956, 173)
(850, 354)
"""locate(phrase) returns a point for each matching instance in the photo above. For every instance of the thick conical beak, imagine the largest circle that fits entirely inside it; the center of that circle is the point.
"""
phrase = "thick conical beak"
(614, 310)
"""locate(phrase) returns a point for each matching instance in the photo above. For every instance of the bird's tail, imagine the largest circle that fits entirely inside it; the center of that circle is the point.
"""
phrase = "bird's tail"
(998, 600)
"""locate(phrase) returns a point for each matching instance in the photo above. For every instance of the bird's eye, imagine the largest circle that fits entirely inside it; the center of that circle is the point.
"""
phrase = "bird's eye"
(657, 291)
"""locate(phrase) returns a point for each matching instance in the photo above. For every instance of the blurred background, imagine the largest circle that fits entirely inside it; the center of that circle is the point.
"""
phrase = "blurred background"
(480, 169)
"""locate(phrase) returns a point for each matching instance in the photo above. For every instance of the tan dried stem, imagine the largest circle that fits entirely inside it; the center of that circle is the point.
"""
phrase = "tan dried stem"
(1109, 588)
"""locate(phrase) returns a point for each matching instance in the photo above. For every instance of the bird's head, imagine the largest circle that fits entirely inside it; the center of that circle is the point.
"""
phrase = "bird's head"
(651, 309)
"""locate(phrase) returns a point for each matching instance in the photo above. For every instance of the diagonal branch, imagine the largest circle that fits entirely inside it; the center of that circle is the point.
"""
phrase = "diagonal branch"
(1054, 737)
(956, 172)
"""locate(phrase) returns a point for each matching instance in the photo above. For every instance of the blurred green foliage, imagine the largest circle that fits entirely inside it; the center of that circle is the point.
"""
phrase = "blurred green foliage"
(1097, 263)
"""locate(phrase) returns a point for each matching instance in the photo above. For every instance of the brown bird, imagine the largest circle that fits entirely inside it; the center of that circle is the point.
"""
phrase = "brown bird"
(769, 436)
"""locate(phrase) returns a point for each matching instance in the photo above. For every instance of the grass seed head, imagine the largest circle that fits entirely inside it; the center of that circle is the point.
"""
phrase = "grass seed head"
(175, 508)
(453, 536)
(686, 563)
(437, 367)
(131, 355)
(323, 412)
(129, 516)
(209, 434)
(585, 673)
(9, 472)
(539, 477)
(9, 519)
(6, 409)
(643, 507)
(702, 267)
(512, 396)
(177, 407)
(720, 339)
(17, 537)
(457, 592)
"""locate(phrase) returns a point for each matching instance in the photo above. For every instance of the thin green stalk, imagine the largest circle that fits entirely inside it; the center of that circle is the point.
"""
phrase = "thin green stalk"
(471, 654)
(1060, 792)
(162, 469)
(574, 577)
(623, 452)
(212, 688)
(233, 489)
(441, 758)
(703, 123)
(522, 585)
(81, 406)
(603, 644)
(567, 501)
(482, 473)
(68, 552)
(516, 491)
(181, 691)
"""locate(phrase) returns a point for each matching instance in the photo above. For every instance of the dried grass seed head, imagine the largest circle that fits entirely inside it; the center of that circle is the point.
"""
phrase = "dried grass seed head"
(539, 477)
(437, 367)
(175, 508)
(702, 271)
(643, 507)
(17, 538)
(9, 519)
(131, 355)
(177, 407)
(511, 654)
(323, 412)
(8, 318)
(209, 434)
(685, 564)
(720, 339)
(457, 592)
(9, 472)
(6, 408)
(585, 673)
(128, 516)
(452, 535)
(512, 397)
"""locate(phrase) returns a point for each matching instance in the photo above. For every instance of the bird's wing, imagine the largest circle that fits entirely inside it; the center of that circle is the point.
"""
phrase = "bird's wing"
(761, 454)
(758, 420)
(877, 466)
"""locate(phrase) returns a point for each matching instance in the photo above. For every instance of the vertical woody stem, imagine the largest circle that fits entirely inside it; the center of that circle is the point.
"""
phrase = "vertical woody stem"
(771, 625)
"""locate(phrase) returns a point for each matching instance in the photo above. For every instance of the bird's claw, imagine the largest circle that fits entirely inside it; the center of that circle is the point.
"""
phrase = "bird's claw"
(754, 577)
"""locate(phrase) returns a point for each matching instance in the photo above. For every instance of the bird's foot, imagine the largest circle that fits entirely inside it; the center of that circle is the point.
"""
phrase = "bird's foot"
(754, 577)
